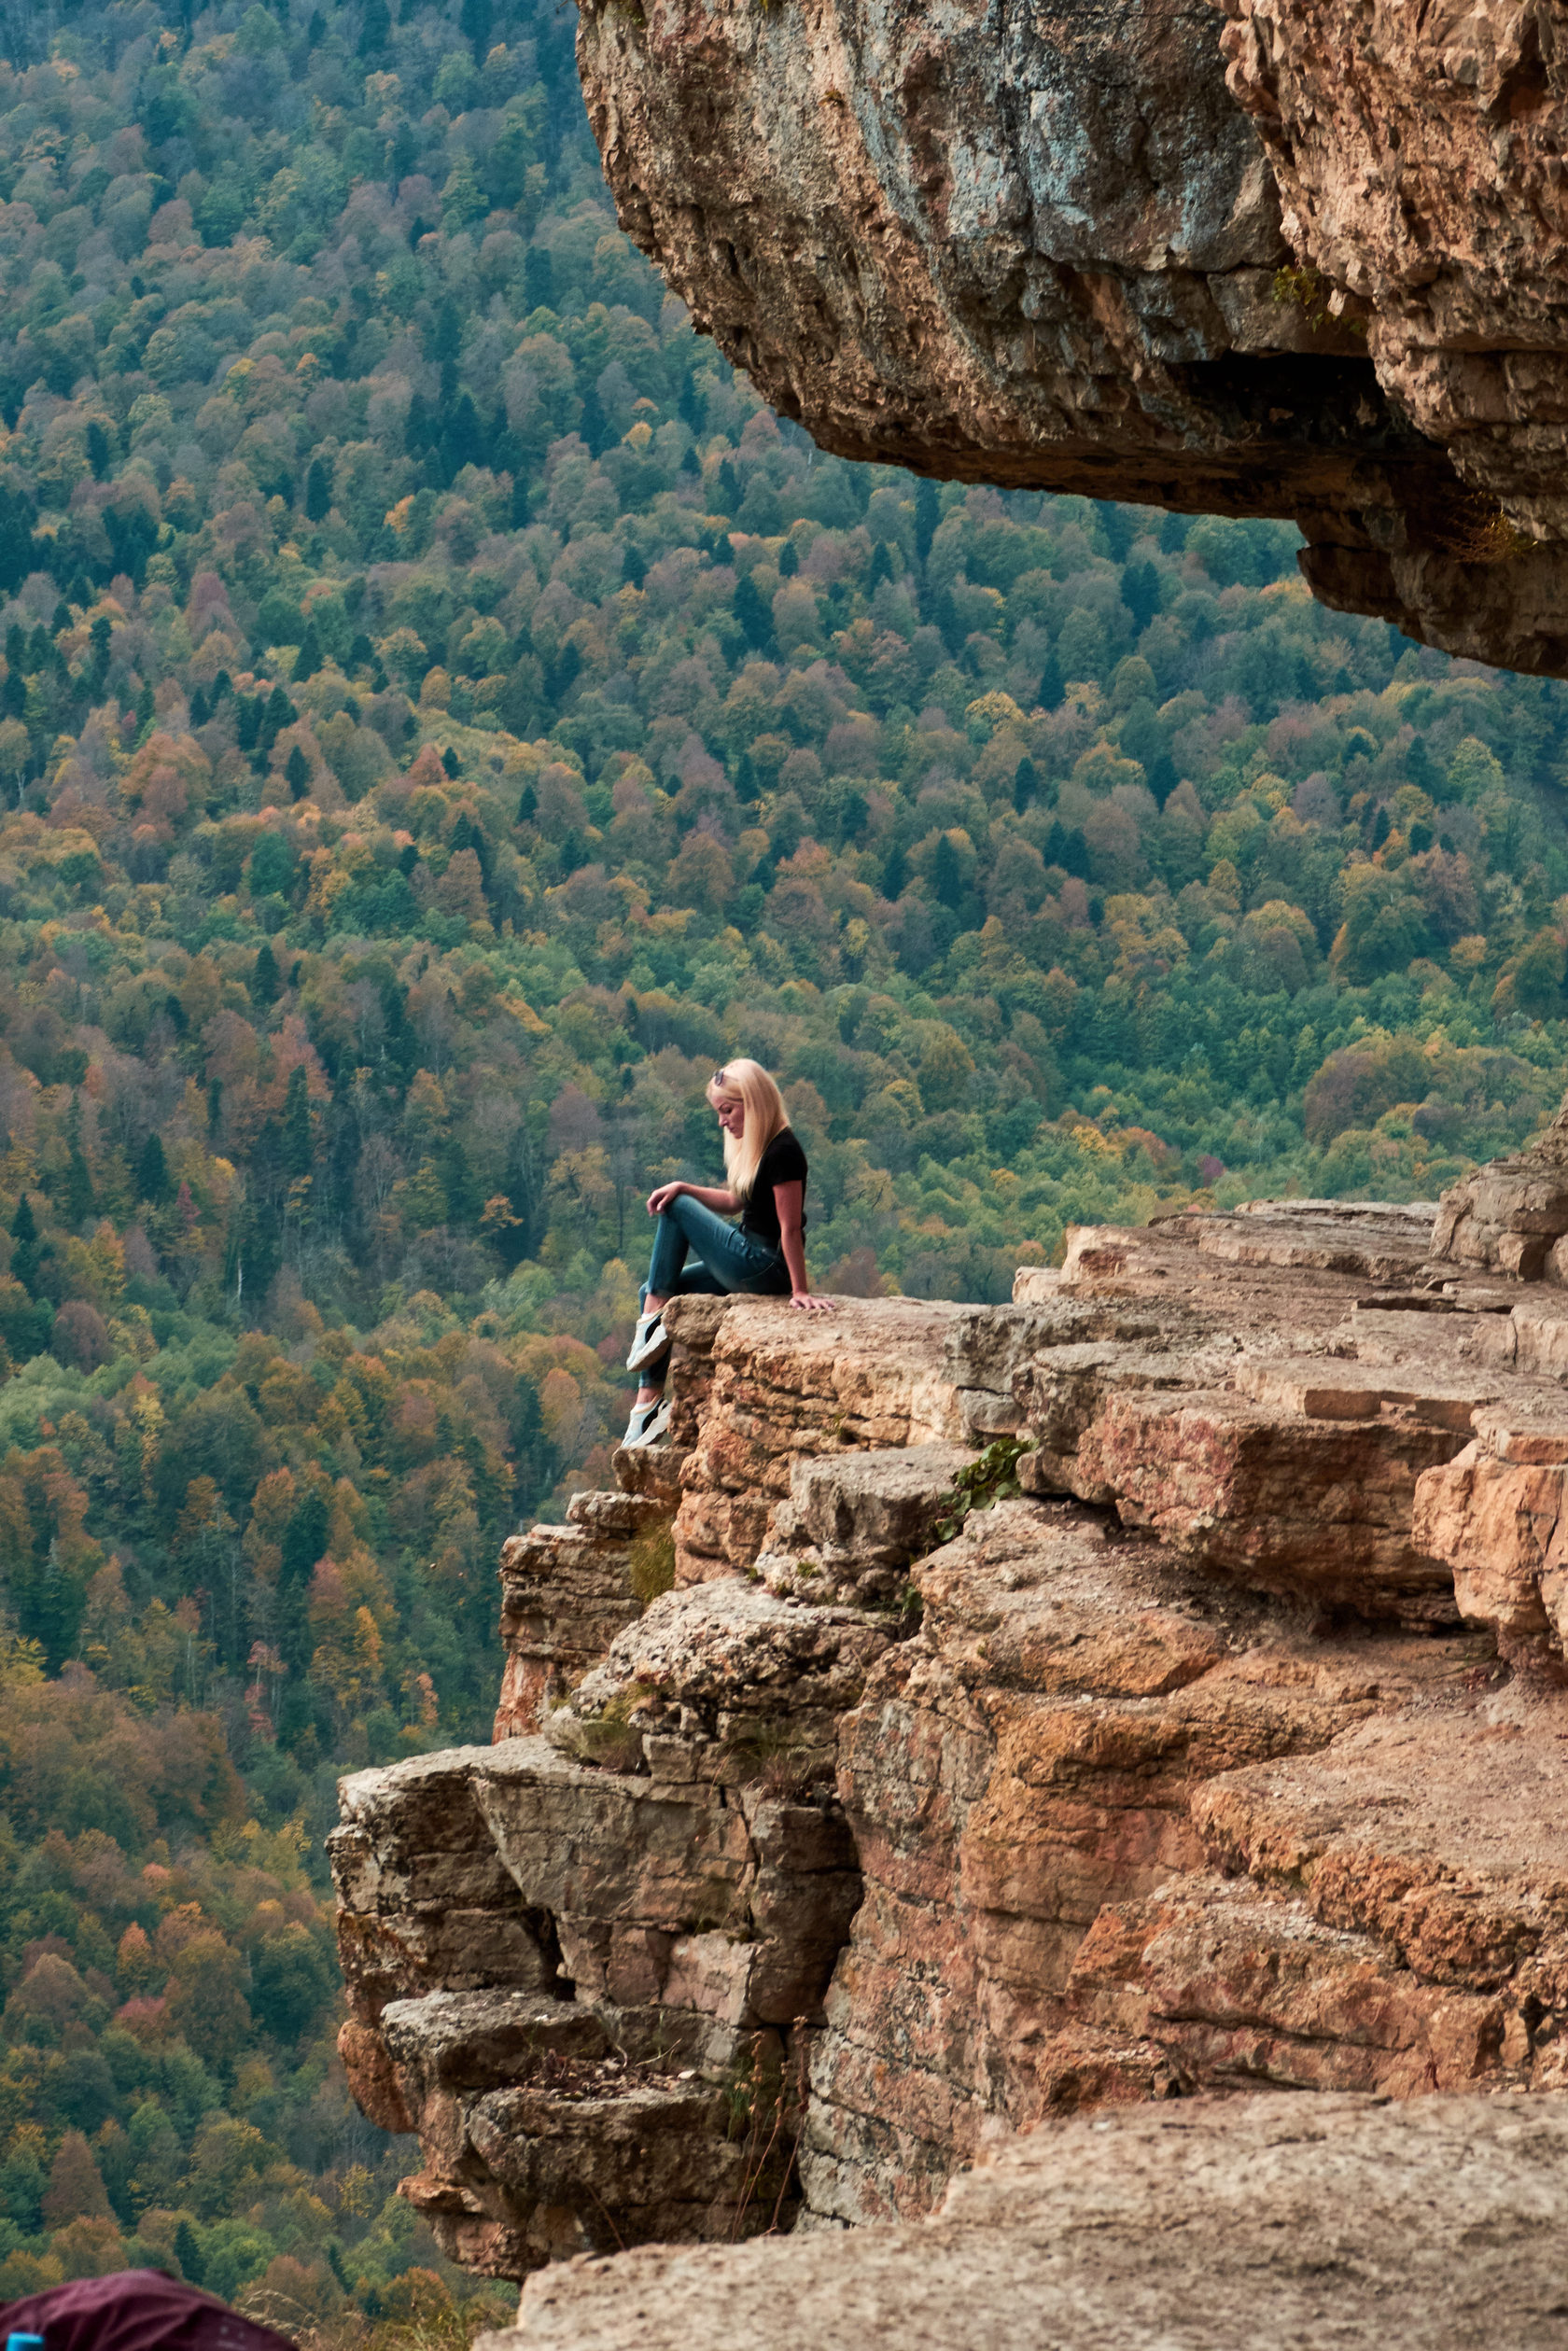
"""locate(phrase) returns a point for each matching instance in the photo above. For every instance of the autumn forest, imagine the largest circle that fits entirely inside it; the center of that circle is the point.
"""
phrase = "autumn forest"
(443, 711)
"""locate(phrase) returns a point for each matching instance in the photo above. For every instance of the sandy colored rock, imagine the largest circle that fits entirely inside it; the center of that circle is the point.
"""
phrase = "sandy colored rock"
(1511, 1216)
(1436, 1830)
(855, 1520)
(566, 1593)
(1220, 1747)
(1420, 169)
(1238, 1991)
(1203, 2225)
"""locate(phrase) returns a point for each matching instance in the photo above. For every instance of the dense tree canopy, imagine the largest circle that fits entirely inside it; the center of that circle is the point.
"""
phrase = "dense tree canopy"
(442, 712)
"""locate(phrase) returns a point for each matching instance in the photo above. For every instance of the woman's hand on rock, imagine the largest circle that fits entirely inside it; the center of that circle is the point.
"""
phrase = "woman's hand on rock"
(804, 1304)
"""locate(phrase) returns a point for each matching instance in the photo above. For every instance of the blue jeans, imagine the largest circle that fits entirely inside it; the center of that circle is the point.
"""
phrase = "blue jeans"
(730, 1259)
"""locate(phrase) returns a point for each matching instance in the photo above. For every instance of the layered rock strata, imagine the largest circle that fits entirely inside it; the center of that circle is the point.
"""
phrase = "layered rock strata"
(1149, 1688)
(1511, 1216)
(1049, 249)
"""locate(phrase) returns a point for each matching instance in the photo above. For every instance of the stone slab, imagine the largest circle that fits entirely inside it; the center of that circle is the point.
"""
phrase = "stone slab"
(1203, 2225)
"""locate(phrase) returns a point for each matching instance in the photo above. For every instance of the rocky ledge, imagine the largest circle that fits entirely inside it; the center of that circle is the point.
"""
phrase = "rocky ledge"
(1150, 1691)
(1338, 2221)
(1309, 261)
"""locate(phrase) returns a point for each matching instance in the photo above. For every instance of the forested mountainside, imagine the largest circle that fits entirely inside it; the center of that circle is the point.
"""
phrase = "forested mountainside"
(443, 713)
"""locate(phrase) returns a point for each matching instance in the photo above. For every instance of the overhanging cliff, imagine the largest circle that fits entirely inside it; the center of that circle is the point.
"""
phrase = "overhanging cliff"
(1071, 249)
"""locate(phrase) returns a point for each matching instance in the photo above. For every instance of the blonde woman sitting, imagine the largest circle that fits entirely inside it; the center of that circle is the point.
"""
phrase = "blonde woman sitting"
(763, 1254)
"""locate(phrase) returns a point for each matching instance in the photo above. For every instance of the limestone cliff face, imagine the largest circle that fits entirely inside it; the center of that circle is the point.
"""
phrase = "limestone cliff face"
(1039, 248)
(1151, 1688)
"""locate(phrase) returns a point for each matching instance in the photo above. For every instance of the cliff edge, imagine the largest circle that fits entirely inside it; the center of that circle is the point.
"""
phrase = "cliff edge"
(1305, 261)
(977, 1718)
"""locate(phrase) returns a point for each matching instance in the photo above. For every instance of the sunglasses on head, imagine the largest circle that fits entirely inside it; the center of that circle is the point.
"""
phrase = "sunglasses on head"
(717, 1078)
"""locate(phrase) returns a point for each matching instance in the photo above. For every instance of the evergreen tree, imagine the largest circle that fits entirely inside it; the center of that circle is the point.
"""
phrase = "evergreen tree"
(753, 612)
(188, 2253)
(465, 436)
(304, 1543)
(928, 513)
(318, 491)
(1120, 526)
(593, 426)
(78, 1201)
(298, 1143)
(539, 278)
(297, 773)
(25, 1251)
(152, 1172)
(446, 340)
(402, 152)
(266, 986)
(308, 659)
(1141, 594)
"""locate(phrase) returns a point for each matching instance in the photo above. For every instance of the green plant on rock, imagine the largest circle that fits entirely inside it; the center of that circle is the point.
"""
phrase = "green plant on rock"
(1306, 290)
(764, 2111)
(608, 1739)
(1475, 531)
(651, 1560)
(991, 1477)
(780, 1757)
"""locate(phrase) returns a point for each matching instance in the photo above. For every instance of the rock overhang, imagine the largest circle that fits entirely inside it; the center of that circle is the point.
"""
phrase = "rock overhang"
(1050, 249)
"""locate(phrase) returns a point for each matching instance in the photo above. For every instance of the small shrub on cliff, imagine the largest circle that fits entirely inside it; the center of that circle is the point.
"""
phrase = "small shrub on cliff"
(609, 1739)
(781, 1759)
(650, 1562)
(993, 1478)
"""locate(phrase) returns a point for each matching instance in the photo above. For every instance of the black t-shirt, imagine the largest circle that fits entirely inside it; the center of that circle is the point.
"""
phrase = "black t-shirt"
(782, 1162)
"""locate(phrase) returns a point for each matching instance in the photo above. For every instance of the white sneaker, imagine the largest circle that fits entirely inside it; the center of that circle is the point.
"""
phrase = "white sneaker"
(649, 1341)
(649, 1424)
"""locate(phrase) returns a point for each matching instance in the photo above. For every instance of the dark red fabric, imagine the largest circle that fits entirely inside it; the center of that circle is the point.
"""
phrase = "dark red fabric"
(135, 2310)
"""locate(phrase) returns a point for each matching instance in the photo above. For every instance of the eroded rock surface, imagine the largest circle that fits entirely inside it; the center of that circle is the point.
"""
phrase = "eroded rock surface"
(1441, 2225)
(1041, 249)
(1151, 1687)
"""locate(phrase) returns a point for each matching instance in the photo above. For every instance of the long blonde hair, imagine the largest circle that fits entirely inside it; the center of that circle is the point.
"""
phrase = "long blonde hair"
(749, 1083)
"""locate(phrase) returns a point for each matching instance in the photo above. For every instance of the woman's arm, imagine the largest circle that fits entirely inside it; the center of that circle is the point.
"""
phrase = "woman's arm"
(788, 1201)
(723, 1202)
